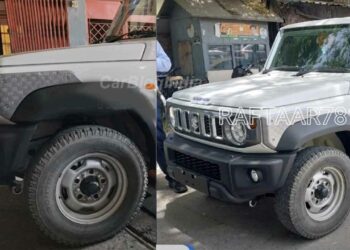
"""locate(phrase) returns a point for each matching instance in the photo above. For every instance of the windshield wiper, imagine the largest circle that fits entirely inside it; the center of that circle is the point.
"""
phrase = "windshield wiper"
(304, 71)
(134, 33)
(281, 68)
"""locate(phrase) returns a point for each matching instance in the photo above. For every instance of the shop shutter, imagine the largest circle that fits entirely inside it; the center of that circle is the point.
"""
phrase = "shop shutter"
(37, 24)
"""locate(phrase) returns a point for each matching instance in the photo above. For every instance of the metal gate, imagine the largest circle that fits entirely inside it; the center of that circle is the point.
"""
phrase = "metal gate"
(37, 24)
(98, 30)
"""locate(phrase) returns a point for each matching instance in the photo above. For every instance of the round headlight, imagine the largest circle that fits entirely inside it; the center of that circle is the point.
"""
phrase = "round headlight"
(236, 133)
(171, 117)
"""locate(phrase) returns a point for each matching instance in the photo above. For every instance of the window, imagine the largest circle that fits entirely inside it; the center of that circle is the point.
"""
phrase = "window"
(222, 58)
(98, 30)
(246, 54)
(322, 48)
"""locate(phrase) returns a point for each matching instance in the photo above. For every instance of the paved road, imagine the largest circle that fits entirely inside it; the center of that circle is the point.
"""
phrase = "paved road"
(18, 232)
(193, 218)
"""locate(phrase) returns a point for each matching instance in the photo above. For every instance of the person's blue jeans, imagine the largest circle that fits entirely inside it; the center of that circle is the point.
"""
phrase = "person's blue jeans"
(160, 140)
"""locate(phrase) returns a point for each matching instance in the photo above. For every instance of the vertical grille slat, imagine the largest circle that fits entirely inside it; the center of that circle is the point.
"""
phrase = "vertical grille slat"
(178, 119)
(187, 120)
(207, 127)
(218, 127)
(208, 124)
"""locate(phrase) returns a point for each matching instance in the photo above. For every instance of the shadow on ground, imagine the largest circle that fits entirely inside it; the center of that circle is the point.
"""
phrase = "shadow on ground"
(193, 218)
(18, 231)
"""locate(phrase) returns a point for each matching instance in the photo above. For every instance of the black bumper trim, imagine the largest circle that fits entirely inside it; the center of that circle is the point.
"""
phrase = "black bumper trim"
(235, 184)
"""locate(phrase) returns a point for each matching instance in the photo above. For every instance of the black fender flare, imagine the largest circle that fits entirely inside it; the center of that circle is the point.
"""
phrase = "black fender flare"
(301, 132)
(58, 101)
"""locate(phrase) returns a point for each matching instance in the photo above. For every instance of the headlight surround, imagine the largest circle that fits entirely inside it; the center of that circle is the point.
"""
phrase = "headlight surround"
(236, 132)
(171, 117)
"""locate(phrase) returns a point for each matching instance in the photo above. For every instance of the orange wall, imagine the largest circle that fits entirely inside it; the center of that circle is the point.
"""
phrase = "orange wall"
(101, 9)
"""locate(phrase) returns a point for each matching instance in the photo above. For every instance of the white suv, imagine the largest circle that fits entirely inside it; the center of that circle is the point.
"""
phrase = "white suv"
(283, 132)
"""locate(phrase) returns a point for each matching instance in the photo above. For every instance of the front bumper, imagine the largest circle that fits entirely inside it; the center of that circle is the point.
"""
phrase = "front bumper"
(224, 174)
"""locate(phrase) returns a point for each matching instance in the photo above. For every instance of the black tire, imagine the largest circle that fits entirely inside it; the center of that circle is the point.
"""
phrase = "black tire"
(44, 173)
(290, 204)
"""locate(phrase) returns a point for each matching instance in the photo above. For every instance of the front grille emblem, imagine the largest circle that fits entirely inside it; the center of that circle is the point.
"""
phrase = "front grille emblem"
(195, 122)
(200, 100)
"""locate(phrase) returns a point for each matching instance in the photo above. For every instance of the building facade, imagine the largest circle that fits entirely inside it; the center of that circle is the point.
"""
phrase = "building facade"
(43, 24)
(207, 39)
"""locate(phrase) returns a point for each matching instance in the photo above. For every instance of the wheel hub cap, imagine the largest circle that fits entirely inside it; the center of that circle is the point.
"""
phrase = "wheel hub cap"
(321, 192)
(91, 188)
(325, 193)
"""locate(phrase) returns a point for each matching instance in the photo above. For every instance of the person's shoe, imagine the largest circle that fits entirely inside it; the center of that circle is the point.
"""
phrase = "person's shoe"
(171, 183)
(177, 186)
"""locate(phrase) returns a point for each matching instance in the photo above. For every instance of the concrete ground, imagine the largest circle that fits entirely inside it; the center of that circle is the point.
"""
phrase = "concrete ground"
(193, 218)
(18, 232)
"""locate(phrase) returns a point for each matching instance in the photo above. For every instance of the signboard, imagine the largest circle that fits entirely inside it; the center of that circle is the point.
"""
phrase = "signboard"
(240, 30)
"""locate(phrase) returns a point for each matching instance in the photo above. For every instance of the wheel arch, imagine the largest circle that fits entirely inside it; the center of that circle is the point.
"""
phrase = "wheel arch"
(56, 108)
(300, 133)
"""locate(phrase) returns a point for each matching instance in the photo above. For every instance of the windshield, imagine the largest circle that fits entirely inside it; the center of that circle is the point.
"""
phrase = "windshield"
(134, 19)
(324, 48)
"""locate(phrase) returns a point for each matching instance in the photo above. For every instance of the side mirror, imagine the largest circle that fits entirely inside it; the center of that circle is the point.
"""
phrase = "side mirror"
(255, 47)
(262, 61)
(261, 64)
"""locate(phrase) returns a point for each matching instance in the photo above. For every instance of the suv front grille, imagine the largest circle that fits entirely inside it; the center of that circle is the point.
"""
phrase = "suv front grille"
(198, 123)
(207, 125)
(205, 168)
(218, 128)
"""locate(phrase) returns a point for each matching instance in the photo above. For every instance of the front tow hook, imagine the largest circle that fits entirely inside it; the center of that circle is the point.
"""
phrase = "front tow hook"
(17, 186)
(253, 203)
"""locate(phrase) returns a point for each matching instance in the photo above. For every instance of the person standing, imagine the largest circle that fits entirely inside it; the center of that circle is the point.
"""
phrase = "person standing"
(164, 66)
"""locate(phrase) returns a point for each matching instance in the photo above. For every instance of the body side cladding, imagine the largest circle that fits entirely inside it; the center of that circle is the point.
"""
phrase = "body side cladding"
(301, 132)
(14, 87)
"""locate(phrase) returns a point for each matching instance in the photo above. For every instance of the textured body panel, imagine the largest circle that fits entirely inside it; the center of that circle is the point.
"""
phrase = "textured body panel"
(16, 86)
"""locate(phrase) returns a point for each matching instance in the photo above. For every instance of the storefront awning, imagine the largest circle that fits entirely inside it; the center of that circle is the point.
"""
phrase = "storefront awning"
(252, 10)
(342, 3)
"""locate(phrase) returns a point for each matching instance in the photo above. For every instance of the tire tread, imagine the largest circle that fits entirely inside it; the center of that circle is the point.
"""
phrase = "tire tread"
(61, 140)
(284, 200)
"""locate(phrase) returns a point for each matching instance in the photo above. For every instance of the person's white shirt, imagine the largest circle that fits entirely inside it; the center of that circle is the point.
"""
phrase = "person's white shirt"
(163, 61)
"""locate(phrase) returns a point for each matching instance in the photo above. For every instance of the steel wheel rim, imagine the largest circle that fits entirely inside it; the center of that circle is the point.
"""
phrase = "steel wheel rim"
(91, 188)
(325, 193)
